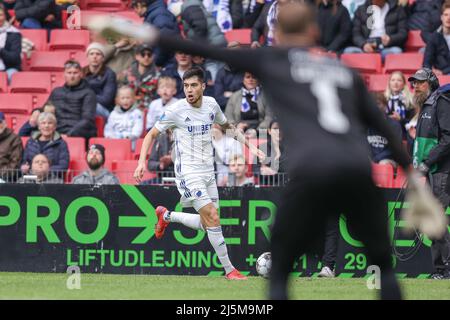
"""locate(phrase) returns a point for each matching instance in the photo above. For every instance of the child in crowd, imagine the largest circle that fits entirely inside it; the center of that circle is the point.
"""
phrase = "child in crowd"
(126, 120)
(167, 88)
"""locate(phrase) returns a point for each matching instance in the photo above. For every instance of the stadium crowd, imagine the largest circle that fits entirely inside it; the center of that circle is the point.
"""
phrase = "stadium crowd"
(117, 88)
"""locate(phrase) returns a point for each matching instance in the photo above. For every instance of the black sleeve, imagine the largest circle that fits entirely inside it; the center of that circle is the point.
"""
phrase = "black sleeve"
(373, 118)
(399, 38)
(11, 55)
(39, 10)
(442, 149)
(345, 32)
(358, 37)
(260, 24)
(430, 53)
(195, 18)
(243, 59)
(237, 13)
(250, 18)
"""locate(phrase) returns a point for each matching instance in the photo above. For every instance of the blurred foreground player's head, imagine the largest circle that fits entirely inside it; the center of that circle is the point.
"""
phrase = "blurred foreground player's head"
(296, 25)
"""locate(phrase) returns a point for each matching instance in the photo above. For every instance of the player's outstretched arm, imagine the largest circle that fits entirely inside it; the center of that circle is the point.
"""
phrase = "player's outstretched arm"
(235, 133)
(148, 141)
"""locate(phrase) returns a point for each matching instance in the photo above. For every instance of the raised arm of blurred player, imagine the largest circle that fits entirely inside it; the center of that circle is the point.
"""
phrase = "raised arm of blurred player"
(235, 133)
(146, 144)
(373, 118)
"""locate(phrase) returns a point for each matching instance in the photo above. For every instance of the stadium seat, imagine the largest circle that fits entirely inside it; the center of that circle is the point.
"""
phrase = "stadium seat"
(399, 179)
(30, 82)
(137, 149)
(407, 63)
(367, 63)
(38, 100)
(18, 103)
(124, 170)
(100, 124)
(57, 79)
(105, 5)
(240, 35)
(443, 80)
(115, 149)
(74, 40)
(37, 36)
(414, 42)
(3, 82)
(81, 57)
(383, 175)
(49, 61)
(77, 147)
(16, 121)
(377, 82)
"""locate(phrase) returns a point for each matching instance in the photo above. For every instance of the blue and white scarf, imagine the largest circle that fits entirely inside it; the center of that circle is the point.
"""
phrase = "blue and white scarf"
(271, 20)
(245, 107)
(220, 9)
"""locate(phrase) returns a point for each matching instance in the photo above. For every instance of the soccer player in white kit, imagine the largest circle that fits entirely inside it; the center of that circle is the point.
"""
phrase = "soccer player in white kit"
(191, 120)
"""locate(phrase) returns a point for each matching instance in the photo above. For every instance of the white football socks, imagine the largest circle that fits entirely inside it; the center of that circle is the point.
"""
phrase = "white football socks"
(188, 219)
(217, 240)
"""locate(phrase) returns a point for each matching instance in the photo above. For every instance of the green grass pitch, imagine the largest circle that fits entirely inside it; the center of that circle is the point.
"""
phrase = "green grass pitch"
(101, 286)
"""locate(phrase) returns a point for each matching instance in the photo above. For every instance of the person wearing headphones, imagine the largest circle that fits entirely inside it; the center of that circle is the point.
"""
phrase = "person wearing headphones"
(431, 152)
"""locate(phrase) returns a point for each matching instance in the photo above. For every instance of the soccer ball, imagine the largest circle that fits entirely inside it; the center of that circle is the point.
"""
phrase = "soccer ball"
(264, 264)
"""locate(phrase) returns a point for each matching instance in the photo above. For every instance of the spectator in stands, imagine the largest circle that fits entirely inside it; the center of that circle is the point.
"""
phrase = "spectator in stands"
(399, 99)
(228, 80)
(335, 25)
(32, 124)
(126, 121)
(10, 46)
(96, 174)
(75, 103)
(10, 150)
(275, 162)
(155, 13)
(264, 26)
(249, 105)
(238, 172)
(224, 147)
(411, 133)
(41, 169)
(352, 5)
(101, 79)
(160, 159)
(388, 32)
(38, 14)
(48, 142)
(437, 52)
(65, 4)
(199, 61)
(379, 145)
(251, 12)
(176, 71)
(424, 15)
(142, 76)
(167, 88)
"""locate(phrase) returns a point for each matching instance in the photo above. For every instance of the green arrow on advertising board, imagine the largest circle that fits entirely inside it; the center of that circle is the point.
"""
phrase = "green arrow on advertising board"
(147, 221)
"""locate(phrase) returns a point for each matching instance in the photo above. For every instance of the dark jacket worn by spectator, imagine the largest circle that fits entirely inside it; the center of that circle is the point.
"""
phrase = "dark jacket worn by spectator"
(379, 145)
(158, 16)
(39, 10)
(335, 27)
(425, 15)
(56, 151)
(75, 110)
(26, 129)
(260, 27)
(251, 14)
(11, 52)
(437, 53)
(395, 25)
(200, 25)
(104, 84)
(10, 150)
(226, 80)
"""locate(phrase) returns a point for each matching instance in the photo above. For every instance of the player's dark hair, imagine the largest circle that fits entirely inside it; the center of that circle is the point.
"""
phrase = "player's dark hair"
(296, 17)
(195, 72)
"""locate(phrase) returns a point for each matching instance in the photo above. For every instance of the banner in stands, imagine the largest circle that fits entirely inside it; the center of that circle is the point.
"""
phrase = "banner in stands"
(109, 229)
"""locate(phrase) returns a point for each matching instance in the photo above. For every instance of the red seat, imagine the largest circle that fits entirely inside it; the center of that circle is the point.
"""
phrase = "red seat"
(3, 82)
(404, 62)
(383, 175)
(138, 147)
(414, 42)
(81, 58)
(105, 5)
(400, 178)
(443, 80)
(49, 61)
(62, 39)
(115, 149)
(243, 36)
(363, 62)
(30, 82)
(20, 103)
(100, 124)
(124, 170)
(37, 36)
(38, 100)
(16, 121)
(77, 147)
(378, 82)
(57, 79)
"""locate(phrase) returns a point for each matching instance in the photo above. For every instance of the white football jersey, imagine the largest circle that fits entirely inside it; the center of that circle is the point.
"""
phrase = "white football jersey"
(192, 134)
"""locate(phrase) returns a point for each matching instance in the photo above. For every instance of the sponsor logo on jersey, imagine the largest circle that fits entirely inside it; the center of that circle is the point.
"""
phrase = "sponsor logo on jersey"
(200, 129)
(187, 119)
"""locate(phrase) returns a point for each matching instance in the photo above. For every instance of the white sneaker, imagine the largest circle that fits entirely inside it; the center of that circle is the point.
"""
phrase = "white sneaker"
(326, 272)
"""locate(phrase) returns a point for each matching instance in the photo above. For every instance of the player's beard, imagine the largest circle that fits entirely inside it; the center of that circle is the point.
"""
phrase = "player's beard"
(419, 98)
